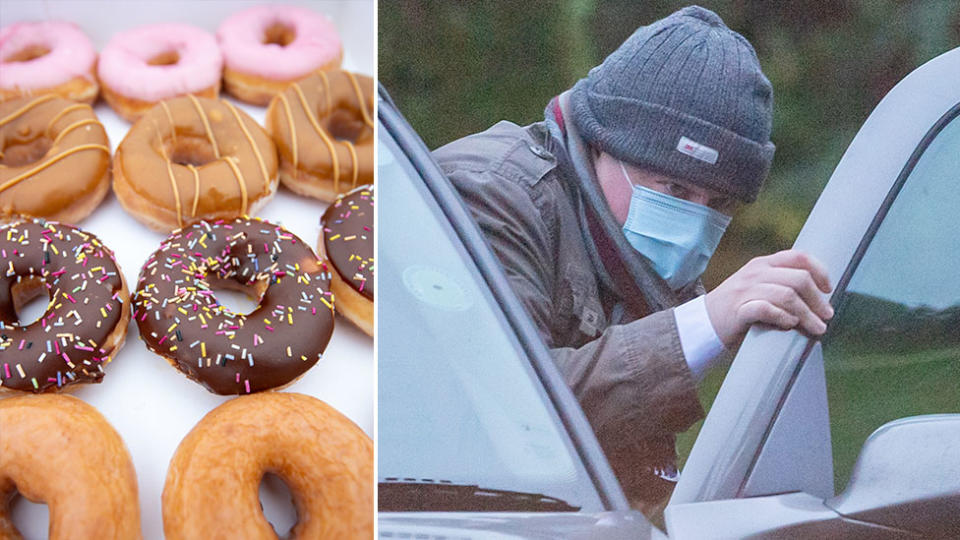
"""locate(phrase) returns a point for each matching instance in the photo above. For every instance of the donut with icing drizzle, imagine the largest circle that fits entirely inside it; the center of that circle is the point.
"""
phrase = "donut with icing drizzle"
(54, 159)
(85, 322)
(346, 242)
(180, 319)
(323, 128)
(191, 159)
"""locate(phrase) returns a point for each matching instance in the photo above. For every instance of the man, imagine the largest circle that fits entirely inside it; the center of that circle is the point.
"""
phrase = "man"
(605, 215)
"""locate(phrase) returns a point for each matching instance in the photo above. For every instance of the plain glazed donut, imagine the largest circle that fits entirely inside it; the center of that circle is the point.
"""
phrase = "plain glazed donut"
(191, 159)
(86, 320)
(141, 67)
(346, 242)
(55, 159)
(323, 127)
(324, 458)
(267, 47)
(58, 450)
(180, 319)
(47, 57)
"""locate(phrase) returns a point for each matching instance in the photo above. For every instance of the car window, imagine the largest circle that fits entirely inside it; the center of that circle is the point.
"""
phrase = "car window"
(458, 399)
(893, 349)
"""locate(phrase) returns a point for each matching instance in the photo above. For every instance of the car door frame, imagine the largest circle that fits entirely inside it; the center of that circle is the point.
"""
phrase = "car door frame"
(771, 363)
(561, 397)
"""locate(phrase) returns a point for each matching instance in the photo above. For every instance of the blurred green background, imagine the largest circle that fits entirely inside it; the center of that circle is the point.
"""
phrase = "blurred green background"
(455, 68)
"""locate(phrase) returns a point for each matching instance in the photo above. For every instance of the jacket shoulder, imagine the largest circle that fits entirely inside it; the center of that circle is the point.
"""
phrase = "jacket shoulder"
(507, 150)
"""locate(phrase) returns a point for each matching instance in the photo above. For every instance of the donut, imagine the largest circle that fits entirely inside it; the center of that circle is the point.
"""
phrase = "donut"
(55, 159)
(141, 67)
(179, 317)
(86, 319)
(191, 159)
(324, 458)
(347, 246)
(267, 47)
(47, 57)
(58, 450)
(323, 127)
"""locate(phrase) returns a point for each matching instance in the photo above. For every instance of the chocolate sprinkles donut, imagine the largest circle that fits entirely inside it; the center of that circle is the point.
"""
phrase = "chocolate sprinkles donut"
(179, 316)
(86, 319)
(347, 244)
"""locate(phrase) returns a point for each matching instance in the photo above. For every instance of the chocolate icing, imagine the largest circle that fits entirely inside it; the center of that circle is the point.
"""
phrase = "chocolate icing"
(179, 318)
(348, 238)
(86, 303)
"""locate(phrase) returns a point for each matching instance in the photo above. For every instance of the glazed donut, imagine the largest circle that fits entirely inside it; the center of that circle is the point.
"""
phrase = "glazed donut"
(63, 452)
(267, 47)
(192, 159)
(324, 458)
(141, 67)
(86, 320)
(47, 57)
(323, 127)
(347, 245)
(179, 317)
(56, 159)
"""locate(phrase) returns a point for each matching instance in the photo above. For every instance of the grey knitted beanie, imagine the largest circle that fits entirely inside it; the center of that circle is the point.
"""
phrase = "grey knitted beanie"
(685, 97)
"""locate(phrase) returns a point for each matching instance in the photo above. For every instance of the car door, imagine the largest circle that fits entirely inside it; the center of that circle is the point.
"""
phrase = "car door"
(785, 431)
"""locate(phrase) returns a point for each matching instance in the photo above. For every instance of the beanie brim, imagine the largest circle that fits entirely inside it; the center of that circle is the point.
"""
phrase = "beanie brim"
(648, 135)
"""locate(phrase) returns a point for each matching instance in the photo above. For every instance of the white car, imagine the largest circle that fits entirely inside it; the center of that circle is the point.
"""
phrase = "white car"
(854, 435)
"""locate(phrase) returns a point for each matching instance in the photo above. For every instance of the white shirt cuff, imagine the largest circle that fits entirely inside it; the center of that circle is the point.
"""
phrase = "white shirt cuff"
(699, 341)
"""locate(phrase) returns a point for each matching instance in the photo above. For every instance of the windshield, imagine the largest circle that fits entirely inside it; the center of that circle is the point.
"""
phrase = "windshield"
(458, 400)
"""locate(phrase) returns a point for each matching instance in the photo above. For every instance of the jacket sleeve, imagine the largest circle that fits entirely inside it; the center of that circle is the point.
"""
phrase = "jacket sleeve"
(632, 381)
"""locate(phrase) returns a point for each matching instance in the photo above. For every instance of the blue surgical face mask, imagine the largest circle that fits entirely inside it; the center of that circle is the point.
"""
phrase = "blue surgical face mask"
(677, 236)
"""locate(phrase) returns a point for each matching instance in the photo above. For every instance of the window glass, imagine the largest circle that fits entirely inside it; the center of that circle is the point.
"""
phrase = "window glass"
(458, 399)
(894, 347)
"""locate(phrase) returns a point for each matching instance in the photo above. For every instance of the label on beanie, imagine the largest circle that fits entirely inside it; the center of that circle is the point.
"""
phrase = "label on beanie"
(697, 150)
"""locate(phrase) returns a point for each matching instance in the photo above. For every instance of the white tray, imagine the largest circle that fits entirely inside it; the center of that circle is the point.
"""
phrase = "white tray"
(151, 404)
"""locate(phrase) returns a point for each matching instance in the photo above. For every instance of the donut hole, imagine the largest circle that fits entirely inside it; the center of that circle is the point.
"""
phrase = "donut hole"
(30, 519)
(29, 301)
(345, 125)
(186, 150)
(278, 505)
(19, 153)
(28, 53)
(280, 34)
(237, 297)
(167, 58)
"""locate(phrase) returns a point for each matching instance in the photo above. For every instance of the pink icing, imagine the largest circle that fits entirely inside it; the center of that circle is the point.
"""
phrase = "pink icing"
(123, 62)
(241, 40)
(71, 54)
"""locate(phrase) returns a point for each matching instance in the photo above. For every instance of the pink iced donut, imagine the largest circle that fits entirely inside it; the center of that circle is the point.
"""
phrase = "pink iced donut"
(267, 47)
(143, 66)
(47, 57)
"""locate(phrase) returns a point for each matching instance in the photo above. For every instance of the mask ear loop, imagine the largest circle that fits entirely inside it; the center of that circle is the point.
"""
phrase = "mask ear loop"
(625, 175)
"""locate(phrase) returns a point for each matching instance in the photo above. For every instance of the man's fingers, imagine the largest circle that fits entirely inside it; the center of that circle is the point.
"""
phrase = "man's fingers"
(761, 311)
(788, 300)
(802, 282)
(792, 258)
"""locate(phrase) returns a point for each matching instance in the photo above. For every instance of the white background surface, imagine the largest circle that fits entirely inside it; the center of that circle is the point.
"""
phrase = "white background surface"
(151, 404)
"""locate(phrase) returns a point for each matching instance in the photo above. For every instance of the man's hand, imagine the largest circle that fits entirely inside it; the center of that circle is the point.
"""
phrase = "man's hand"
(782, 290)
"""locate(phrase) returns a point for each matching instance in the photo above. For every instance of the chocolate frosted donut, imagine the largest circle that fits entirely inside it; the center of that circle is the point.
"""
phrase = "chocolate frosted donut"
(179, 317)
(347, 244)
(190, 159)
(86, 320)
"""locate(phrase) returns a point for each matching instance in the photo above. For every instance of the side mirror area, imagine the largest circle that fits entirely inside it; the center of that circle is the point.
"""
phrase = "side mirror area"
(905, 484)
(908, 477)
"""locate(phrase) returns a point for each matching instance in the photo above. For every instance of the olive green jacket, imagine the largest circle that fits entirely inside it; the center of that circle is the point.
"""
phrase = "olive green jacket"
(627, 369)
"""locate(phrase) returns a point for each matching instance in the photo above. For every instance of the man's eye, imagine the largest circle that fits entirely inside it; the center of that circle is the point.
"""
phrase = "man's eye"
(677, 190)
